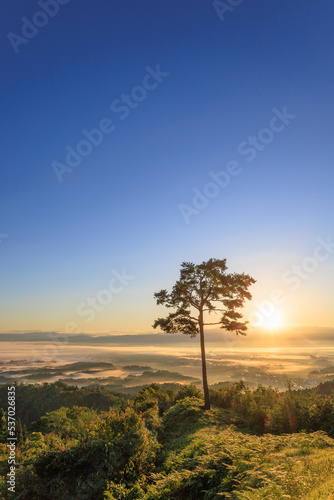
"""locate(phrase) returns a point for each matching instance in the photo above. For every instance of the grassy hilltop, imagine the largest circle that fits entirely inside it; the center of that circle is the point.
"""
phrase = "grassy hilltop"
(160, 444)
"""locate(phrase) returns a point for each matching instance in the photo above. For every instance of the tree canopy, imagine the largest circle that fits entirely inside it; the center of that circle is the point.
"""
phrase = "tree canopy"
(208, 288)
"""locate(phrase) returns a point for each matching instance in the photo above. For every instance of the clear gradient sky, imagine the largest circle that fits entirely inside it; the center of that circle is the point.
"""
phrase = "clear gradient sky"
(200, 89)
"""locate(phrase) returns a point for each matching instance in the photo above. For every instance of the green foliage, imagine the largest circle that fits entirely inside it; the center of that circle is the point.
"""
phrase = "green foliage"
(3, 426)
(162, 445)
(186, 417)
(133, 444)
(228, 464)
(188, 391)
(34, 401)
(121, 492)
(153, 395)
(77, 422)
(119, 450)
(267, 410)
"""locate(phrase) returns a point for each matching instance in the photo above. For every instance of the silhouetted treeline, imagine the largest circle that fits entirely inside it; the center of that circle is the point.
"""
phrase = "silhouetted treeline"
(266, 410)
(33, 400)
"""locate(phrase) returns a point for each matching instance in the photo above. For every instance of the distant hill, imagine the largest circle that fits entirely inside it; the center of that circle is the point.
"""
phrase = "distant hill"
(158, 375)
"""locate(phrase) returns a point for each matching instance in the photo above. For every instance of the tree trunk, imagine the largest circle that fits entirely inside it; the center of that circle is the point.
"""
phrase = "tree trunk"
(204, 376)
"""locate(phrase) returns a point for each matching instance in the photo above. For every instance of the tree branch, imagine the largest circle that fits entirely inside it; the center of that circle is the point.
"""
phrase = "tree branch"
(214, 310)
(219, 323)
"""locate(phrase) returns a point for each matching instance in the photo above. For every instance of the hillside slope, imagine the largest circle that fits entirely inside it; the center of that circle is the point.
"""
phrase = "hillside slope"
(203, 458)
(161, 445)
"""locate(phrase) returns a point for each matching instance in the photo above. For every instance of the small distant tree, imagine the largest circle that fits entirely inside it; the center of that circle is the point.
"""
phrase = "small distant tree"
(202, 290)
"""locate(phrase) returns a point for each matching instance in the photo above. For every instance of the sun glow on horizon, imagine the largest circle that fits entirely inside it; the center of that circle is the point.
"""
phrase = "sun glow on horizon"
(273, 320)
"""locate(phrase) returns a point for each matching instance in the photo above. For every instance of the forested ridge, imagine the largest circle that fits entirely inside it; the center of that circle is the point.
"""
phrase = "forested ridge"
(160, 443)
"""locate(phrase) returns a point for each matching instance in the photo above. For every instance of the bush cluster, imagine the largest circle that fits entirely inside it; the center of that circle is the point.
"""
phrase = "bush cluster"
(161, 444)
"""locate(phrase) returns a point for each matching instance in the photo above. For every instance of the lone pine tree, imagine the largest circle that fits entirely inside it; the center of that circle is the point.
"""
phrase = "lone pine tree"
(202, 290)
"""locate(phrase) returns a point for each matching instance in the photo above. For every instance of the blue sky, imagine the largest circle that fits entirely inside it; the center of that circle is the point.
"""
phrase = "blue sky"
(120, 207)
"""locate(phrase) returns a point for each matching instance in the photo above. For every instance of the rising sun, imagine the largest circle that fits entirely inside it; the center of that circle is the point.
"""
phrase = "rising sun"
(272, 320)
